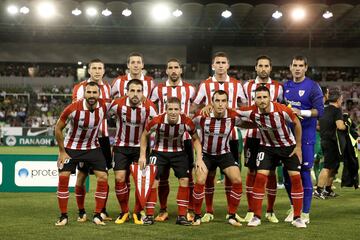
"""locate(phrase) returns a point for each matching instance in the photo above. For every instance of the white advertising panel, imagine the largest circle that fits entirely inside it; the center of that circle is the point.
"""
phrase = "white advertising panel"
(38, 174)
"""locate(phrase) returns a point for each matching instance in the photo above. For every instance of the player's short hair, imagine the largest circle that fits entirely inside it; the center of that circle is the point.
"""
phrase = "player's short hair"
(262, 88)
(334, 94)
(300, 58)
(92, 84)
(263, 57)
(135, 54)
(173, 100)
(96, 60)
(220, 54)
(135, 82)
(174, 60)
(220, 92)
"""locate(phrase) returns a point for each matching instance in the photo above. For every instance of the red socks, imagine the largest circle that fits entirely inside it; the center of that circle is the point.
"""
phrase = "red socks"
(250, 179)
(121, 191)
(209, 193)
(80, 192)
(271, 188)
(297, 194)
(234, 198)
(151, 202)
(198, 196)
(63, 193)
(100, 195)
(258, 193)
(182, 200)
(164, 189)
(191, 189)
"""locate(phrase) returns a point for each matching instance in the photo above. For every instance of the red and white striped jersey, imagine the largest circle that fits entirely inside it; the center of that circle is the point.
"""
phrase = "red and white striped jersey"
(184, 91)
(232, 86)
(215, 132)
(169, 138)
(276, 94)
(79, 90)
(84, 124)
(118, 86)
(274, 131)
(105, 93)
(131, 121)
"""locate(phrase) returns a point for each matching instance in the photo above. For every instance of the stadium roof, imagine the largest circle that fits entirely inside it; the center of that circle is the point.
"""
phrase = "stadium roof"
(251, 23)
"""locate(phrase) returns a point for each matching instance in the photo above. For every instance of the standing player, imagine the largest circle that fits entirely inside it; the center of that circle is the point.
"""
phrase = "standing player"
(277, 143)
(235, 91)
(306, 99)
(96, 70)
(135, 64)
(81, 144)
(132, 113)
(169, 152)
(263, 68)
(174, 87)
(215, 132)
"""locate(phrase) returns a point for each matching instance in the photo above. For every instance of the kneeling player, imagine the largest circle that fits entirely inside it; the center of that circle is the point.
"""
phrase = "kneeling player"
(169, 152)
(81, 145)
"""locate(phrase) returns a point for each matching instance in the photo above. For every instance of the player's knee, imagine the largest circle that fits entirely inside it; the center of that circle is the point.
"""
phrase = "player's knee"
(201, 178)
(184, 182)
(120, 176)
(101, 176)
(236, 180)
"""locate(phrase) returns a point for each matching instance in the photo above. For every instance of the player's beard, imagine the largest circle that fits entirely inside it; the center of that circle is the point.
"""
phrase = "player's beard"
(263, 75)
(174, 78)
(134, 101)
(91, 102)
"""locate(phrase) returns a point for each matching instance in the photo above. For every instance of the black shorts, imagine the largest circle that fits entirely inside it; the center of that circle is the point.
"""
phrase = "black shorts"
(331, 154)
(222, 161)
(268, 158)
(93, 159)
(250, 151)
(106, 149)
(178, 161)
(124, 157)
(188, 148)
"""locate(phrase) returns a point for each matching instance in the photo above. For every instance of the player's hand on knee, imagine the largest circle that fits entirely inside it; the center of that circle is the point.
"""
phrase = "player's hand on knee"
(298, 152)
(62, 159)
(200, 166)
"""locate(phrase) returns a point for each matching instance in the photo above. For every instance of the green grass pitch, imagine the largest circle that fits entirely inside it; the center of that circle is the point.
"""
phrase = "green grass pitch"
(32, 216)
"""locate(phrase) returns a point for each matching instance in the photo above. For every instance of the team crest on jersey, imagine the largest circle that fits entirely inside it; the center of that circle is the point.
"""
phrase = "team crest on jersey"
(301, 93)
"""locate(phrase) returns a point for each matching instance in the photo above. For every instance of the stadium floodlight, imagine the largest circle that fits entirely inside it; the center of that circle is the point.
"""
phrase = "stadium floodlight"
(46, 9)
(24, 10)
(177, 13)
(79, 62)
(327, 14)
(126, 12)
(76, 12)
(226, 14)
(91, 11)
(12, 9)
(160, 12)
(298, 14)
(277, 14)
(106, 12)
